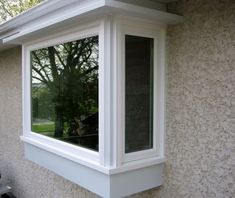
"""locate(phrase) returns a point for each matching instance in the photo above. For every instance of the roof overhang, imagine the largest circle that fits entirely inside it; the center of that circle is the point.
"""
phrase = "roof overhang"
(54, 14)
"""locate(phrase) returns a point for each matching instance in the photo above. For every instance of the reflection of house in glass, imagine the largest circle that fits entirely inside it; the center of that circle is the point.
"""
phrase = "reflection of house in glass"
(65, 92)
(88, 136)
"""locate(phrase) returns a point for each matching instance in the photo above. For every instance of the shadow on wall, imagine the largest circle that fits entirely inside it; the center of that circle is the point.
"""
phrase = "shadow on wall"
(5, 191)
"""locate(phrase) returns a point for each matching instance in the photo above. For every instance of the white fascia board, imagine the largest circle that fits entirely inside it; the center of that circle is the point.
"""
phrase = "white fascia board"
(148, 13)
(8, 34)
(33, 13)
(72, 10)
(15, 24)
(77, 9)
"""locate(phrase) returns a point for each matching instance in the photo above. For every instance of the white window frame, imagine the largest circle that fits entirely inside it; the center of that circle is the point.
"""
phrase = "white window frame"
(111, 165)
(127, 26)
(76, 153)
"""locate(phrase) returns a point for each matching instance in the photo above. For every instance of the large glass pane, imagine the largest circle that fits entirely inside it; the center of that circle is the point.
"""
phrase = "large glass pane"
(64, 92)
(138, 93)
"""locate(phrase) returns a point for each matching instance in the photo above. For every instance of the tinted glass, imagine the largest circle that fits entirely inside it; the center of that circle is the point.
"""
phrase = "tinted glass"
(64, 92)
(138, 93)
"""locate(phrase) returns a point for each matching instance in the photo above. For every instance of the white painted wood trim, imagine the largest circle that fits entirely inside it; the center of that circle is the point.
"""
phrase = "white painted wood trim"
(111, 159)
(83, 160)
(115, 185)
(135, 10)
(132, 27)
(50, 14)
(90, 30)
(71, 10)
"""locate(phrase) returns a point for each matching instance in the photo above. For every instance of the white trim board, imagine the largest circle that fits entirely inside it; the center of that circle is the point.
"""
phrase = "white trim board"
(110, 166)
(107, 186)
(50, 14)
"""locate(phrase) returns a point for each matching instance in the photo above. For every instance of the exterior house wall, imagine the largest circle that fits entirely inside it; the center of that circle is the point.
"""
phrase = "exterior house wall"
(200, 122)
(200, 134)
(28, 179)
(200, 118)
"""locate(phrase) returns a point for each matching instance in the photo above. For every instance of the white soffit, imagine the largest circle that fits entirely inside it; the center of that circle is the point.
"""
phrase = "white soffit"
(53, 13)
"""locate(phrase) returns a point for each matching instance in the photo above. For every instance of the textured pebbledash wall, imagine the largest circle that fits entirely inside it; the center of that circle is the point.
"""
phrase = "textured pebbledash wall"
(28, 179)
(200, 132)
(200, 118)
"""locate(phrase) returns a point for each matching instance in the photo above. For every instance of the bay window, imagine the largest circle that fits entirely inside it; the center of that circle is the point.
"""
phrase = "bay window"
(93, 91)
(93, 104)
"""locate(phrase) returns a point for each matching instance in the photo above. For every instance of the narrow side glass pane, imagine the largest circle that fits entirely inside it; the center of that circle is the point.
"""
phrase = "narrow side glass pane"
(138, 93)
(64, 92)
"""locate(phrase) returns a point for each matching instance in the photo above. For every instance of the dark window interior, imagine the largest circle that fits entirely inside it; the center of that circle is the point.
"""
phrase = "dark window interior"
(138, 93)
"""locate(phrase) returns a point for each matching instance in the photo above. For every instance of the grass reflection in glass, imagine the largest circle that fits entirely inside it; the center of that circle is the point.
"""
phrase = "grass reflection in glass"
(64, 91)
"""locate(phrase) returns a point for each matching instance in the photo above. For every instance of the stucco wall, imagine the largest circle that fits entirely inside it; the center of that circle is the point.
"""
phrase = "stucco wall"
(200, 132)
(200, 135)
(27, 179)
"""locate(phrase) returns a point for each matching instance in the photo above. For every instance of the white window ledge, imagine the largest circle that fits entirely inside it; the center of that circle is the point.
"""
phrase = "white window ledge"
(103, 181)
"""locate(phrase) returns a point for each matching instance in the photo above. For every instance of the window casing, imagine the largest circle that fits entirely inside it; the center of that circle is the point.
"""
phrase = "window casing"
(112, 157)
(76, 34)
(156, 147)
(64, 92)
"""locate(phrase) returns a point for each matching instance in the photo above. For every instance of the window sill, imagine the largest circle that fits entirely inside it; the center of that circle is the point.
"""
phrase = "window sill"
(104, 181)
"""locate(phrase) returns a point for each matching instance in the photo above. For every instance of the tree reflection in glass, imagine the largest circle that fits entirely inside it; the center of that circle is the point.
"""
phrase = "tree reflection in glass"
(64, 91)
